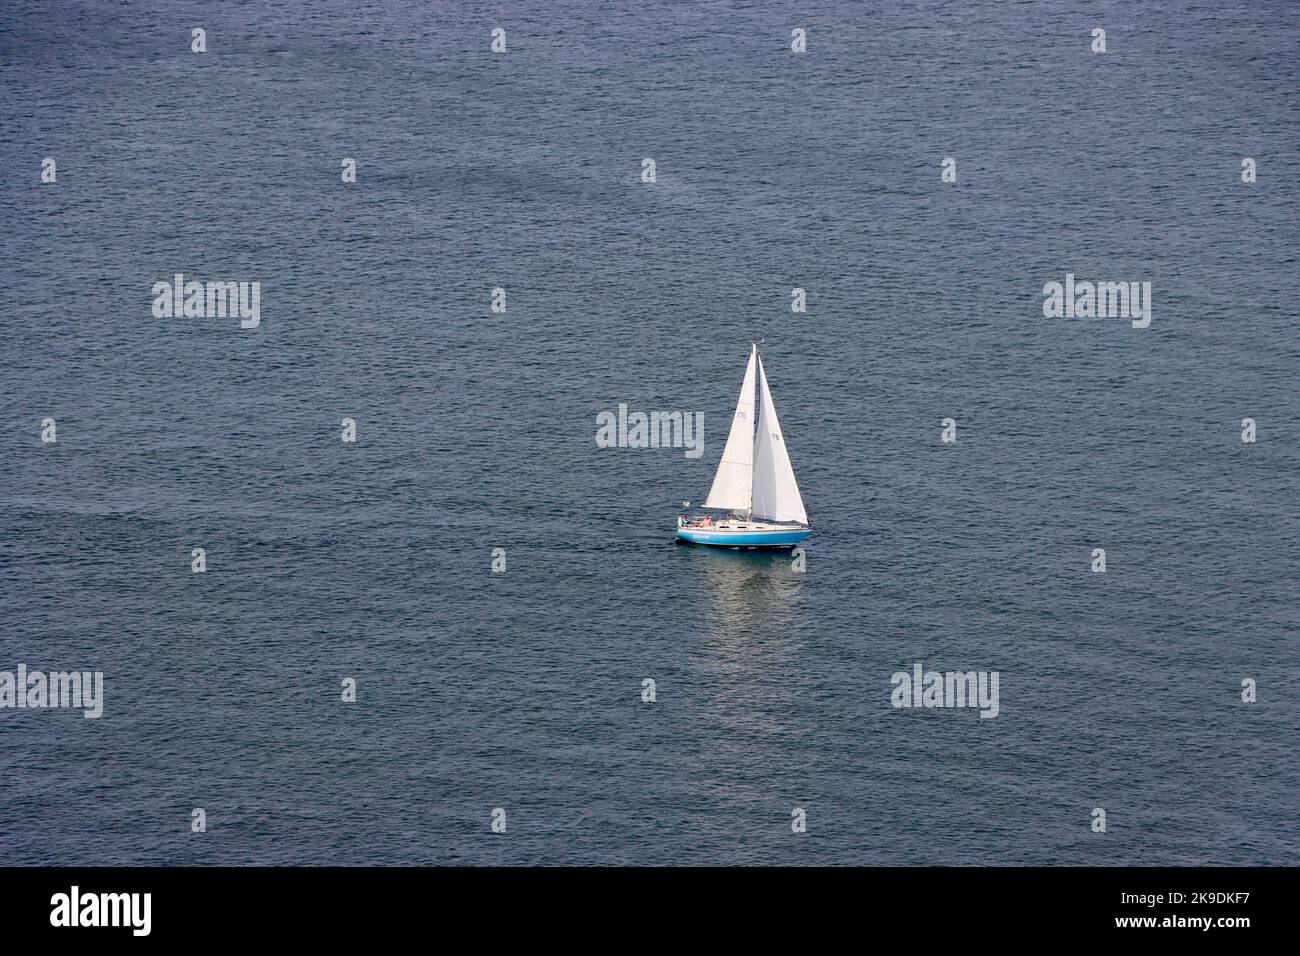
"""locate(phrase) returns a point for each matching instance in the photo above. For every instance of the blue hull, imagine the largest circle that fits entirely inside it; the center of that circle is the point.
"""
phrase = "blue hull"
(780, 538)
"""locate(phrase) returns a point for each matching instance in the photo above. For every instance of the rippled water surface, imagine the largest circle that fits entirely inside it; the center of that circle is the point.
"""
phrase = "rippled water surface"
(476, 430)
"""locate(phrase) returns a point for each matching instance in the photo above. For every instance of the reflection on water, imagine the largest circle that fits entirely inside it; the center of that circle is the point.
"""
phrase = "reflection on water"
(751, 623)
(750, 608)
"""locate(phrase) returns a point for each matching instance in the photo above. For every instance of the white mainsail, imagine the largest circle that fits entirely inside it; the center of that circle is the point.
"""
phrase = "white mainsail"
(775, 493)
(732, 485)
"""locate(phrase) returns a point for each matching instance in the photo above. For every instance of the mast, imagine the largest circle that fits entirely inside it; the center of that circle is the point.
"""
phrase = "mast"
(758, 412)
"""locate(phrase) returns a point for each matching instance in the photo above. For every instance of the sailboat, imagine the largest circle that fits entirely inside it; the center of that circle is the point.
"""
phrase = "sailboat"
(755, 481)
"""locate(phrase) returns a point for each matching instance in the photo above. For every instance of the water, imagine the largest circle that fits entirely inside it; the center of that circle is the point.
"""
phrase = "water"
(522, 690)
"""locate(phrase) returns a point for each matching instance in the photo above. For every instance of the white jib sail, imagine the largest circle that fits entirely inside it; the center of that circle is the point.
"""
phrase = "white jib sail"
(732, 484)
(776, 495)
